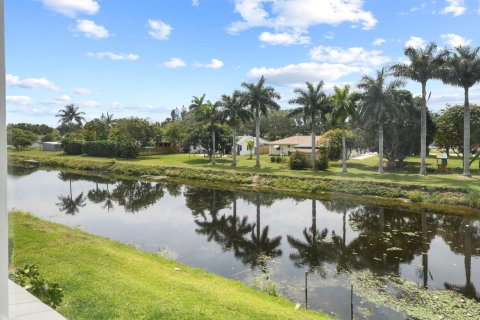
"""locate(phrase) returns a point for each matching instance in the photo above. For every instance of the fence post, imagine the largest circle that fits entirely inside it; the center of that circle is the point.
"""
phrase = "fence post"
(306, 289)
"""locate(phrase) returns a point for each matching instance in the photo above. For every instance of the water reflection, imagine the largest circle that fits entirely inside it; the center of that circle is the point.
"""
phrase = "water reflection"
(328, 238)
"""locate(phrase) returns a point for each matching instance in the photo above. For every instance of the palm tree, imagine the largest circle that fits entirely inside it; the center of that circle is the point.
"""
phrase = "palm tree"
(344, 108)
(250, 146)
(425, 64)
(108, 122)
(197, 102)
(212, 114)
(235, 112)
(261, 99)
(314, 102)
(70, 114)
(463, 70)
(377, 103)
(69, 204)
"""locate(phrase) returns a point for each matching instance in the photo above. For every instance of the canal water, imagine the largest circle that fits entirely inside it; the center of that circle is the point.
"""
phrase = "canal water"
(267, 240)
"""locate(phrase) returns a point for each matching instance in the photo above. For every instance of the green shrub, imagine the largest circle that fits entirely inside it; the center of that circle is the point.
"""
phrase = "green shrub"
(415, 196)
(29, 277)
(323, 162)
(128, 151)
(101, 148)
(73, 147)
(272, 159)
(278, 159)
(473, 199)
(299, 161)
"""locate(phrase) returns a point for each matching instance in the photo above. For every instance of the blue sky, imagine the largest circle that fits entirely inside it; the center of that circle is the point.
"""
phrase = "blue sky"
(143, 57)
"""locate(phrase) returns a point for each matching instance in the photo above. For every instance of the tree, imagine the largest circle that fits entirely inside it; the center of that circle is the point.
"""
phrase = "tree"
(250, 146)
(70, 114)
(20, 138)
(449, 134)
(425, 64)
(53, 135)
(463, 70)
(108, 122)
(212, 114)
(344, 108)
(377, 102)
(261, 100)
(136, 132)
(313, 102)
(235, 112)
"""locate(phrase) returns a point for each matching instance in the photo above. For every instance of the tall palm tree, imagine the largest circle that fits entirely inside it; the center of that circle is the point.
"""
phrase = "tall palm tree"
(212, 114)
(108, 122)
(344, 108)
(463, 70)
(197, 102)
(70, 114)
(261, 99)
(314, 103)
(377, 102)
(424, 64)
(235, 112)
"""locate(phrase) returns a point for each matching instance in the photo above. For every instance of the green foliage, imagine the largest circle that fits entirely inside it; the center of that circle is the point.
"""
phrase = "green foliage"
(415, 196)
(102, 148)
(332, 140)
(278, 159)
(136, 132)
(323, 163)
(20, 138)
(473, 198)
(299, 161)
(72, 147)
(40, 129)
(53, 135)
(29, 277)
(273, 159)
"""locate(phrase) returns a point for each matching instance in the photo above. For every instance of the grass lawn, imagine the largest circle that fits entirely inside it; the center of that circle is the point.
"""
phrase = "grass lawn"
(103, 279)
(362, 170)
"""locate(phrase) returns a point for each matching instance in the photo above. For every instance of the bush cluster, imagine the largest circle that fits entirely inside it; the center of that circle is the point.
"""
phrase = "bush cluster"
(100, 148)
(299, 161)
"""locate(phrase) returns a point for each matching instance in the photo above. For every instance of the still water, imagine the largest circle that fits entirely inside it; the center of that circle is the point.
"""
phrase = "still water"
(248, 235)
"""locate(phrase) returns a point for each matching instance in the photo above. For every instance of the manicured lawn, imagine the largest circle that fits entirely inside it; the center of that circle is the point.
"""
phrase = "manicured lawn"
(362, 170)
(103, 279)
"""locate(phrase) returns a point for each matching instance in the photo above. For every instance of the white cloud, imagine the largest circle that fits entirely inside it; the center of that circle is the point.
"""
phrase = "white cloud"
(64, 98)
(297, 74)
(195, 3)
(454, 7)
(329, 36)
(71, 8)
(90, 104)
(113, 56)
(31, 83)
(283, 38)
(378, 42)
(455, 40)
(20, 100)
(415, 42)
(82, 91)
(299, 15)
(174, 63)
(91, 30)
(159, 29)
(354, 56)
(214, 64)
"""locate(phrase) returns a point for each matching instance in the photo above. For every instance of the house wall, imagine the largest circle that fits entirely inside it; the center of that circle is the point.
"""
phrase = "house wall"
(282, 150)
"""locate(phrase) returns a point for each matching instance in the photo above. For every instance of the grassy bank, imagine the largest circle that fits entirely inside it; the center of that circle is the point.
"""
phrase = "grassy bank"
(103, 279)
(452, 189)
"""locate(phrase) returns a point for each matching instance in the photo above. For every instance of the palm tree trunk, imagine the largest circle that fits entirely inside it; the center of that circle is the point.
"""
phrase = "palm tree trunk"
(213, 145)
(257, 198)
(344, 150)
(344, 227)
(424, 249)
(71, 196)
(468, 255)
(234, 207)
(313, 158)
(257, 139)
(423, 131)
(314, 221)
(466, 137)
(234, 150)
(380, 148)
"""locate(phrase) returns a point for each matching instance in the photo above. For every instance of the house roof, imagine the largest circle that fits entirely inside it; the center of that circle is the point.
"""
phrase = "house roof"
(296, 140)
(248, 138)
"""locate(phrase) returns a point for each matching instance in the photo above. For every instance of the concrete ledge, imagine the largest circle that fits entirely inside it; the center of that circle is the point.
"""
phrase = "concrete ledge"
(25, 306)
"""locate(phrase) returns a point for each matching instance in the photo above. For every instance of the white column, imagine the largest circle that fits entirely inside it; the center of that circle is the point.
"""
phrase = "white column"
(3, 178)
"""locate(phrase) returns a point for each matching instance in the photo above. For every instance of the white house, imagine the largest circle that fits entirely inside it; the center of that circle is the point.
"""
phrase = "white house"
(242, 144)
(287, 146)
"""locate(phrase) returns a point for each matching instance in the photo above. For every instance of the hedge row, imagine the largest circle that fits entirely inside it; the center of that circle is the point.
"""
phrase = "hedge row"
(101, 148)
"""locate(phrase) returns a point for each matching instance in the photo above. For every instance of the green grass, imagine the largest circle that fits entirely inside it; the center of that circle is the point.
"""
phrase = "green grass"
(359, 170)
(104, 279)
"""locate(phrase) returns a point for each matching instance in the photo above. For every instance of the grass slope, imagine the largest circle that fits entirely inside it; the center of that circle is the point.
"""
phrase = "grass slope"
(103, 279)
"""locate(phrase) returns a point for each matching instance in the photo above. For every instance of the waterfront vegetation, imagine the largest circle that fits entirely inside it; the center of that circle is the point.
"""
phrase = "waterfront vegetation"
(103, 279)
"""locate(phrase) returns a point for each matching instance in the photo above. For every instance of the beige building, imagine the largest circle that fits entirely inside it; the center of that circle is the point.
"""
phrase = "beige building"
(287, 146)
